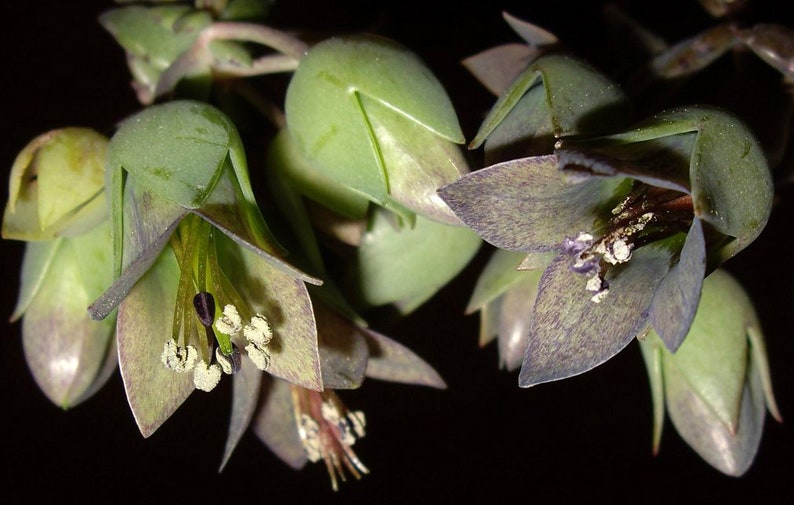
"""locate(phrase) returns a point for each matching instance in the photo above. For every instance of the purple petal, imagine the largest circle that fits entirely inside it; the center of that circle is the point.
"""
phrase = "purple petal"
(498, 66)
(343, 350)
(392, 361)
(570, 334)
(245, 396)
(274, 423)
(676, 299)
(526, 204)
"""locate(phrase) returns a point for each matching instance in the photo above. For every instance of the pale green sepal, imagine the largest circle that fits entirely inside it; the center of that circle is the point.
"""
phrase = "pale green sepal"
(35, 265)
(500, 273)
(761, 361)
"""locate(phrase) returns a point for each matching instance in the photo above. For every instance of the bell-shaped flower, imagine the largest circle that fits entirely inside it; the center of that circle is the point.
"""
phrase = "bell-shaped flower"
(199, 281)
(368, 114)
(57, 204)
(56, 186)
(716, 387)
(636, 220)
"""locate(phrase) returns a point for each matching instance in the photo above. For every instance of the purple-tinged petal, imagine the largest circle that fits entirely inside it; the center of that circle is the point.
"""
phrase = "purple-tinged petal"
(343, 350)
(274, 423)
(526, 204)
(531, 33)
(498, 66)
(245, 397)
(149, 222)
(571, 334)
(392, 361)
(143, 326)
(676, 299)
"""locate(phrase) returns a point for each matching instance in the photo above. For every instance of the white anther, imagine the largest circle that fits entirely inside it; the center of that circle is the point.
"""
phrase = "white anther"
(224, 361)
(259, 356)
(258, 331)
(230, 323)
(178, 359)
(309, 432)
(205, 376)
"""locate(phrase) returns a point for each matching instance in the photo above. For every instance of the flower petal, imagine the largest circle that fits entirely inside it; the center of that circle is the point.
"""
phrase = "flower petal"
(570, 334)
(500, 273)
(284, 301)
(515, 316)
(343, 350)
(498, 66)
(144, 324)
(274, 423)
(245, 397)
(526, 204)
(406, 266)
(391, 361)
(676, 299)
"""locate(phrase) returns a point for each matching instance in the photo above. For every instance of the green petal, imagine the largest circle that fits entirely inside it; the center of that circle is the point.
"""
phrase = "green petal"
(729, 451)
(575, 99)
(500, 273)
(245, 397)
(275, 426)
(526, 204)
(70, 355)
(35, 265)
(515, 316)
(570, 334)
(391, 361)
(652, 356)
(714, 355)
(327, 119)
(143, 327)
(285, 302)
(406, 266)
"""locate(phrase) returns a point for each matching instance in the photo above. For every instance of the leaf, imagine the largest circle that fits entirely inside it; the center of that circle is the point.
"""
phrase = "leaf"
(275, 423)
(526, 204)
(406, 266)
(144, 323)
(393, 362)
(570, 334)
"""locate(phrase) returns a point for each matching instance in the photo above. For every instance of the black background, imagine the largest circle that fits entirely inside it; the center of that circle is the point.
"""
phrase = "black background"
(484, 438)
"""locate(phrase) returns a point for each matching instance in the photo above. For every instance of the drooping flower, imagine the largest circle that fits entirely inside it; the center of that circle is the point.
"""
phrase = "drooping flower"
(57, 206)
(716, 387)
(189, 240)
(636, 220)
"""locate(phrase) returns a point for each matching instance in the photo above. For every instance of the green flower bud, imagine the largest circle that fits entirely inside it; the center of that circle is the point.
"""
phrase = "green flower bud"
(56, 186)
(368, 114)
(716, 386)
(69, 354)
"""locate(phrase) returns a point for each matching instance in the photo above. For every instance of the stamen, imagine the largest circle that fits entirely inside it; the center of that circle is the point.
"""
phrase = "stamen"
(259, 356)
(258, 331)
(178, 359)
(206, 376)
(230, 323)
(229, 364)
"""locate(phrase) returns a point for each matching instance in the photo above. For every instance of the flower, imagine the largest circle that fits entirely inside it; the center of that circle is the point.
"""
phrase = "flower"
(636, 220)
(189, 240)
(716, 386)
(57, 206)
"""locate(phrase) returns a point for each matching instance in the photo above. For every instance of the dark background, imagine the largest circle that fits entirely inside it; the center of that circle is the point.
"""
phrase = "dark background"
(484, 438)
